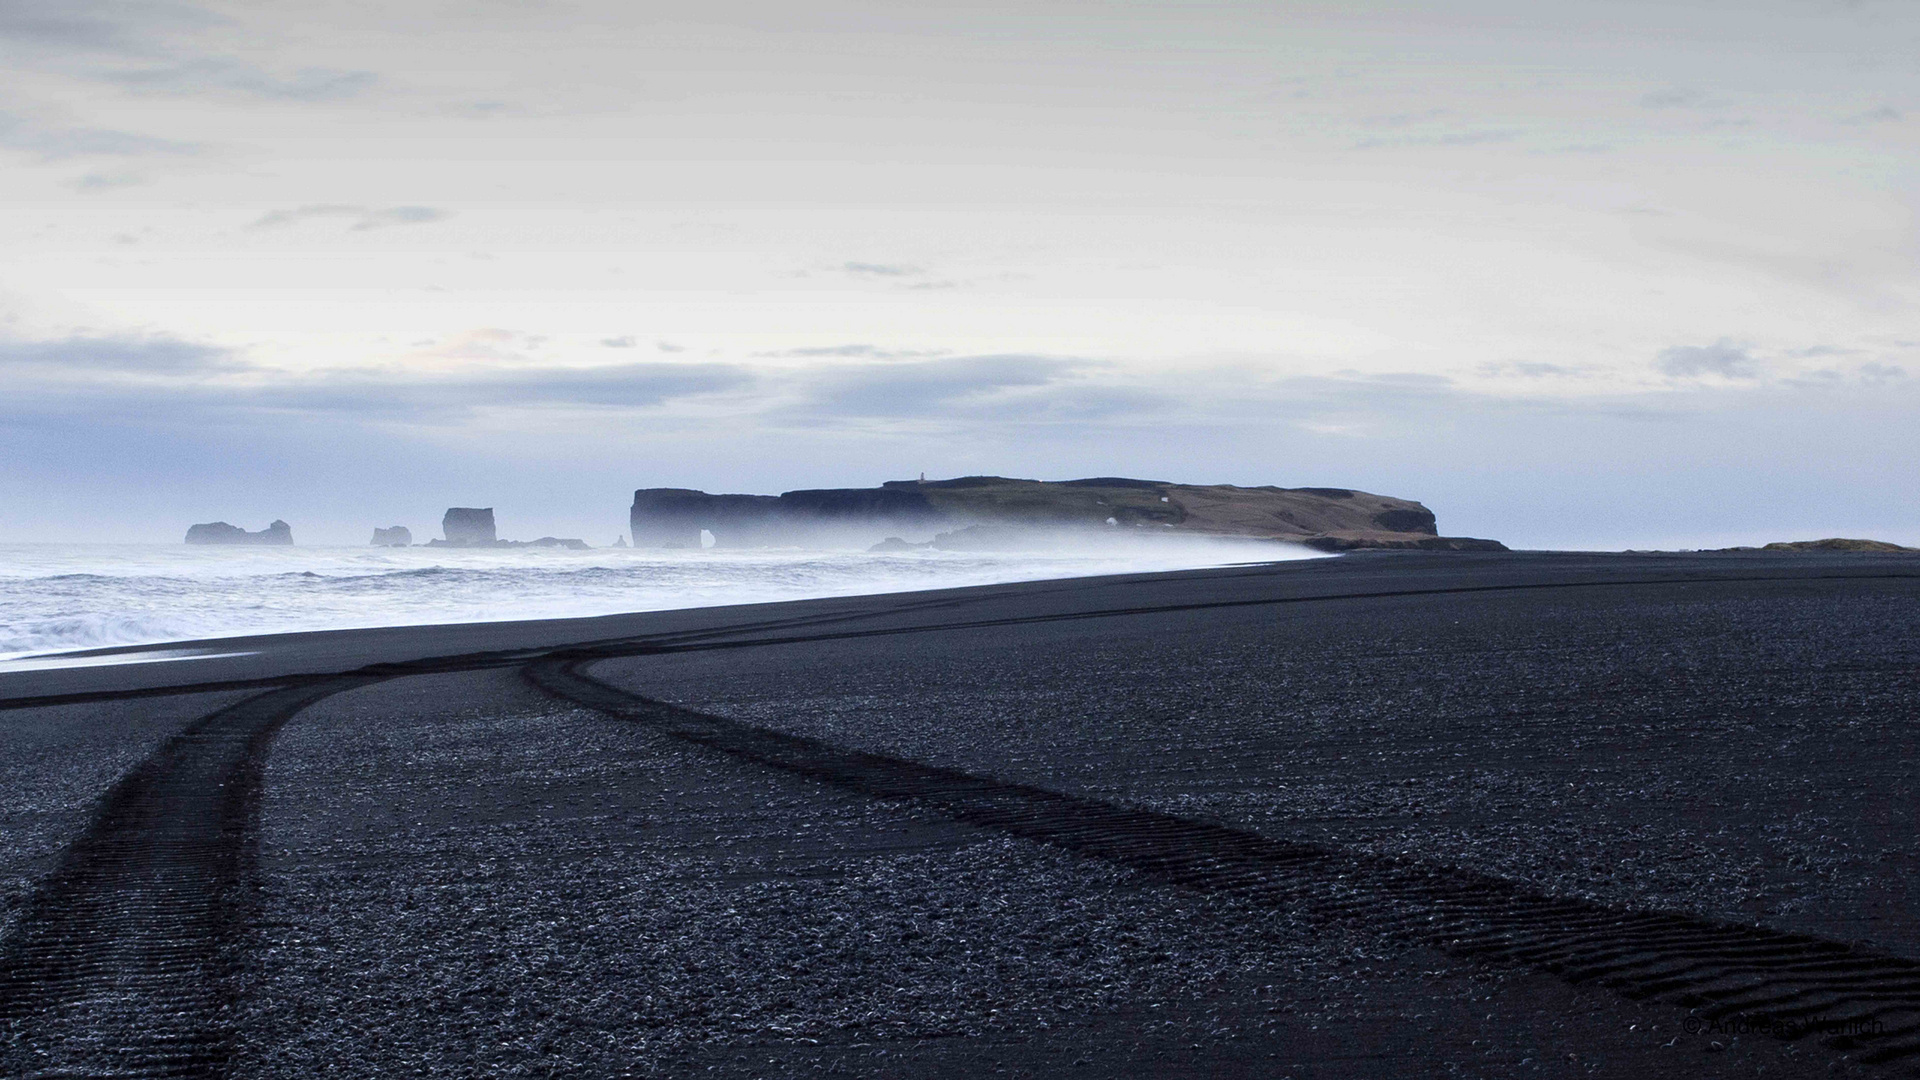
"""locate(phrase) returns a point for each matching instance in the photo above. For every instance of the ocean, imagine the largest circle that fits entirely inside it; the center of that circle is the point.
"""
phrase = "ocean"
(61, 597)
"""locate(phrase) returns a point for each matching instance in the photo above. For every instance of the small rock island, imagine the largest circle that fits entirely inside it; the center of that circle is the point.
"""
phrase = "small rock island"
(472, 526)
(397, 536)
(278, 534)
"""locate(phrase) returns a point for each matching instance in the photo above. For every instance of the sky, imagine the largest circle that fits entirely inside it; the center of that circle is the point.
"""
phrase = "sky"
(1579, 275)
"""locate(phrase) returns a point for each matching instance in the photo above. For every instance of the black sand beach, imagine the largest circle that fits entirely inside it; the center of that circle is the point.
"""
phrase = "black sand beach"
(1393, 814)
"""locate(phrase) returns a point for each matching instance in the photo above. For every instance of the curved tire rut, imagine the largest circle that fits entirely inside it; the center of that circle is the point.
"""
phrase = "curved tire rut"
(1790, 985)
(120, 963)
(123, 962)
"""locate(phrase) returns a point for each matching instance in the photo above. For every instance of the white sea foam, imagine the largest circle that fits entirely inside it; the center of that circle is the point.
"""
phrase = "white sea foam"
(58, 597)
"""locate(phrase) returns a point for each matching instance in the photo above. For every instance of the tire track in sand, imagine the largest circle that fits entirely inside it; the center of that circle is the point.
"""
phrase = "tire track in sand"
(1792, 985)
(120, 963)
(123, 961)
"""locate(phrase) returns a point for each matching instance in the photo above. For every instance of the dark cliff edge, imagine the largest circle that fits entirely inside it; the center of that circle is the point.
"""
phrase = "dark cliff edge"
(468, 525)
(278, 534)
(992, 509)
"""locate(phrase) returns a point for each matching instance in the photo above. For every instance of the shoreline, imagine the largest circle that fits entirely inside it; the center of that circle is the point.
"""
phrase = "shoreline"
(55, 601)
(263, 657)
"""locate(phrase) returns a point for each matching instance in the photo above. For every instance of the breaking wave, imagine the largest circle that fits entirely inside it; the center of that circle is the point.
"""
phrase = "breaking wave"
(56, 598)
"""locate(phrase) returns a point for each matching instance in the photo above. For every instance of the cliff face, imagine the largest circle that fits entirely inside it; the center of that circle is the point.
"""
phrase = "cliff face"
(673, 517)
(1332, 519)
(278, 534)
(468, 525)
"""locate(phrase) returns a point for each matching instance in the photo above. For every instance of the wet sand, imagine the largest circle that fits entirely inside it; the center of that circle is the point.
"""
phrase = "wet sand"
(1386, 815)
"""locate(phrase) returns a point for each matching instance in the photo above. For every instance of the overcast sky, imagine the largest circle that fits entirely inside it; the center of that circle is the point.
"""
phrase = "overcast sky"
(1574, 274)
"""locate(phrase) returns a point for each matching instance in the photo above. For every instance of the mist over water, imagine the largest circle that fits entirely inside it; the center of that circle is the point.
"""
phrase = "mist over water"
(57, 597)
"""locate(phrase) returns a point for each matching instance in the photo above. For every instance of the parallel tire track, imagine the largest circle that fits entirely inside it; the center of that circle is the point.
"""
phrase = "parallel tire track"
(122, 963)
(119, 965)
(1788, 984)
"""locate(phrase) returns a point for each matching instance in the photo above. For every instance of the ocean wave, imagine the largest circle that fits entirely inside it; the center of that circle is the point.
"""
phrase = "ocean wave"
(72, 633)
(55, 598)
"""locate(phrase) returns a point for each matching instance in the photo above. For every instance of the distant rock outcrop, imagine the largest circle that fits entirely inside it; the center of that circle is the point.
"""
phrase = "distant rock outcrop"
(278, 534)
(1831, 544)
(974, 512)
(468, 525)
(398, 536)
(1839, 543)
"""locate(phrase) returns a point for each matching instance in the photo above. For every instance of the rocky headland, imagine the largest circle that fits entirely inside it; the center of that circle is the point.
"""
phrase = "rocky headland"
(1831, 544)
(1840, 543)
(278, 534)
(994, 512)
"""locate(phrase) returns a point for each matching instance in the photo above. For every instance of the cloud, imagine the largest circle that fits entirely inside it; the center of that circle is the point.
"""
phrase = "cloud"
(210, 74)
(882, 269)
(1873, 373)
(669, 347)
(1674, 97)
(167, 377)
(479, 110)
(396, 396)
(1885, 114)
(363, 217)
(57, 32)
(54, 143)
(1000, 388)
(162, 381)
(870, 352)
(122, 355)
(624, 385)
(1532, 369)
(918, 387)
(618, 342)
(1722, 358)
(102, 180)
(99, 26)
(1446, 138)
(1396, 404)
(1349, 390)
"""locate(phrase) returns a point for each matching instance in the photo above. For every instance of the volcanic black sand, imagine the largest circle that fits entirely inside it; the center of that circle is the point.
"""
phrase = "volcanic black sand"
(1387, 815)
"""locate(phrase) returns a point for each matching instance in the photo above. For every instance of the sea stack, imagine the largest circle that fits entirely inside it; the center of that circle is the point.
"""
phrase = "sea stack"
(468, 525)
(278, 534)
(398, 536)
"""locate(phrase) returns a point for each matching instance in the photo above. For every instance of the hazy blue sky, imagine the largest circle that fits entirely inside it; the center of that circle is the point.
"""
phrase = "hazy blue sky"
(1573, 274)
